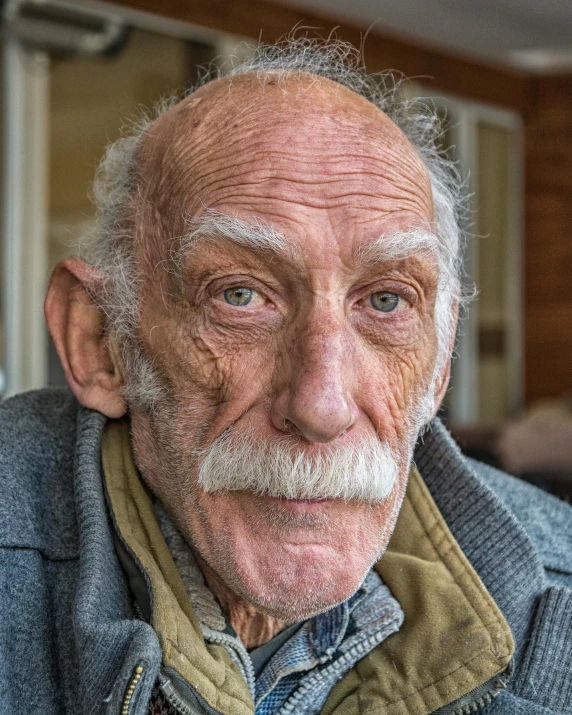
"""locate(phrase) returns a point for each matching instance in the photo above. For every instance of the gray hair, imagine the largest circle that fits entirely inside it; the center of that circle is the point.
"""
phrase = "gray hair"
(111, 247)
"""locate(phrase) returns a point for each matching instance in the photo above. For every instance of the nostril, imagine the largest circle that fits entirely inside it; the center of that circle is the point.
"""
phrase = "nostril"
(291, 428)
(287, 425)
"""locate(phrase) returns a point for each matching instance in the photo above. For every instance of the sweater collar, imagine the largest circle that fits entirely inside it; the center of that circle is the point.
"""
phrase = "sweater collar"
(113, 648)
(489, 535)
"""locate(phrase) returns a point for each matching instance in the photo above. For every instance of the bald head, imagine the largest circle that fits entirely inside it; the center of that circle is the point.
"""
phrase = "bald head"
(237, 133)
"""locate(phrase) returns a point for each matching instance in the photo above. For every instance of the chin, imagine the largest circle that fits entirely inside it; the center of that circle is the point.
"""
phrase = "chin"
(289, 559)
(293, 574)
(299, 588)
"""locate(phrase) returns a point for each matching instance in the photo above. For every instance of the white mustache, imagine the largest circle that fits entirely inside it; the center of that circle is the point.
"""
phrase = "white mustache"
(365, 471)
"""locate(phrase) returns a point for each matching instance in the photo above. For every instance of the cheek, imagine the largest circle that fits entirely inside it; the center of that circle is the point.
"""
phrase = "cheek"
(397, 358)
(214, 364)
(392, 384)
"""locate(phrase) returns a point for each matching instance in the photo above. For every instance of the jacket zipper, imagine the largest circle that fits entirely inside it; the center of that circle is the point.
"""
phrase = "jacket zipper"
(135, 678)
(173, 688)
(477, 698)
(469, 703)
(174, 699)
(242, 659)
(304, 691)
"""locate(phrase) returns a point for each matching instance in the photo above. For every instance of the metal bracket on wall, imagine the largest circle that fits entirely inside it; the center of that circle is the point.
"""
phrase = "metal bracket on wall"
(64, 28)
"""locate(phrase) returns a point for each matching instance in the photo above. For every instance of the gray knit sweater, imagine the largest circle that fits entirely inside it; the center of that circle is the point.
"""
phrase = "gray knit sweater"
(69, 642)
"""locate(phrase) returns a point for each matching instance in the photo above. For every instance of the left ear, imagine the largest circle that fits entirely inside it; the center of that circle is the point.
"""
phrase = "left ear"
(442, 382)
(91, 362)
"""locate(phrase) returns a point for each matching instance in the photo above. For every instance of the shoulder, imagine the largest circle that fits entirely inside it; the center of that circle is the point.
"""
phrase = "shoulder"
(37, 450)
(546, 519)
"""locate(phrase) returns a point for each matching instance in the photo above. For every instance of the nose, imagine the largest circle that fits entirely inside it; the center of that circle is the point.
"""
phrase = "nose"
(316, 384)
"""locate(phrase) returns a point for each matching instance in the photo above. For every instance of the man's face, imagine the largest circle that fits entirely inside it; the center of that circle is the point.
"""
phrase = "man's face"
(314, 347)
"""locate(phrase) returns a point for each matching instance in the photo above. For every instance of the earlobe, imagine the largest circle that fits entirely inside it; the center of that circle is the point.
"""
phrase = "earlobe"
(92, 365)
(444, 376)
(441, 385)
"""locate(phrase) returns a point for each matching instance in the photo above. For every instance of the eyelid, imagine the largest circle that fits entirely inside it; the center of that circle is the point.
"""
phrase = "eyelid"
(403, 290)
(222, 283)
(257, 297)
(398, 308)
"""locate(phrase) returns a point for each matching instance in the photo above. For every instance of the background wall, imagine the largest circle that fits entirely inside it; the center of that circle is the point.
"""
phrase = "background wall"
(548, 237)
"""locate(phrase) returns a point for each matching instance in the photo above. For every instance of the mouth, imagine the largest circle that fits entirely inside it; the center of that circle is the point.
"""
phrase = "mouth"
(303, 506)
(295, 514)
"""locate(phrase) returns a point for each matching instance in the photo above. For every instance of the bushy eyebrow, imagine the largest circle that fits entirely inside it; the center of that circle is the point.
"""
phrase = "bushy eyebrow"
(263, 239)
(255, 235)
(398, 246)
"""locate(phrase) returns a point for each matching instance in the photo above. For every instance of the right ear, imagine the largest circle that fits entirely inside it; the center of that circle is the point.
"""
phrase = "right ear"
(92, 363)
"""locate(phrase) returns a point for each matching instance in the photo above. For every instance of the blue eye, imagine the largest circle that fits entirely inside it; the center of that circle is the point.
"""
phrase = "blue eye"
(238, 296)
(386, 302)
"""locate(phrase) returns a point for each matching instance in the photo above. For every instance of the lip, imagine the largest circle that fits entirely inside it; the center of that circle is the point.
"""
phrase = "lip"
(303, 505)
(305, 501)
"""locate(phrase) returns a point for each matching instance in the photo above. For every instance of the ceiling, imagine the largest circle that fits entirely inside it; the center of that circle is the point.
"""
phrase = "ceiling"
(530, 34)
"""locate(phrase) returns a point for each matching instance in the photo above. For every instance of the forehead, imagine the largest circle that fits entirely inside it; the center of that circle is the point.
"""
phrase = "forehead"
(297, 152)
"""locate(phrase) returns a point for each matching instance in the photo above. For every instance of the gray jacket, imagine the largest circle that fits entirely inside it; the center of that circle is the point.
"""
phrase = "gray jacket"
(69, 642)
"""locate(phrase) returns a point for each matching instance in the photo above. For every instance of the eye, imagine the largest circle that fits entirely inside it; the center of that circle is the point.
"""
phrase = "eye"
(239, 296)
(388, 302)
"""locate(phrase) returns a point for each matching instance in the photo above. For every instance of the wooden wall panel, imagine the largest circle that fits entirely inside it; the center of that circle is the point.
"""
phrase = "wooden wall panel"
(548, 237)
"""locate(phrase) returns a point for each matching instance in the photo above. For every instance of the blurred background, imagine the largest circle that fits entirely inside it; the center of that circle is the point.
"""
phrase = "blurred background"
(500, 71)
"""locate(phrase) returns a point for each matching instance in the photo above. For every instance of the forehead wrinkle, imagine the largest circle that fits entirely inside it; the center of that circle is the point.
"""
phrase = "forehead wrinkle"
(194, 165)
(323, 180)
(184, 135)
(256, 175)
(265, 157)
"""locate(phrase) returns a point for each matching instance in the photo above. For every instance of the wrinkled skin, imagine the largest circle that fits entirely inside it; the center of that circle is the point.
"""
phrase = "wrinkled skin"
(309, 357)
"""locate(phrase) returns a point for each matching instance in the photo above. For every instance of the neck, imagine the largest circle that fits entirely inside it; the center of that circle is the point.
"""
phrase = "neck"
(252, 627)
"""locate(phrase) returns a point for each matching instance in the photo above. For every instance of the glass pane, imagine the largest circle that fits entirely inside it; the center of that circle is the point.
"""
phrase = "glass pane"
(494, 145)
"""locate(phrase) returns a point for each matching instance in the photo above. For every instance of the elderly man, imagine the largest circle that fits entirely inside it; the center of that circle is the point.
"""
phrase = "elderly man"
(262, 331)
